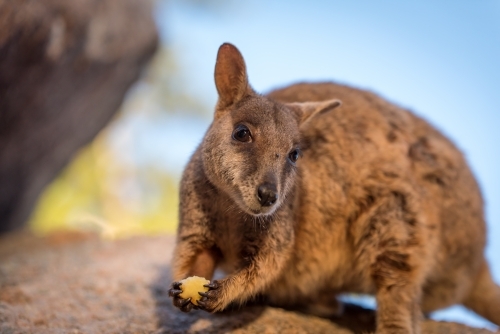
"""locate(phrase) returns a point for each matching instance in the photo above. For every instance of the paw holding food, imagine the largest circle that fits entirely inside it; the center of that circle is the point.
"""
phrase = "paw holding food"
(188, 289)
(191, 286)
(196, 293)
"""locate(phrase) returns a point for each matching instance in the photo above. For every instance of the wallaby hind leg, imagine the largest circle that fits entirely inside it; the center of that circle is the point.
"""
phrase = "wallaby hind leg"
(484, 298)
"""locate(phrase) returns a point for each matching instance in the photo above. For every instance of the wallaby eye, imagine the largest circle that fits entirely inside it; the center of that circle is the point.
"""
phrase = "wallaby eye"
(294, 155)
(242, 133)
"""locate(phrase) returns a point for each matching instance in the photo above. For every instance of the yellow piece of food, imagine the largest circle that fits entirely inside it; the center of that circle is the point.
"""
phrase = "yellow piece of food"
(191, 286)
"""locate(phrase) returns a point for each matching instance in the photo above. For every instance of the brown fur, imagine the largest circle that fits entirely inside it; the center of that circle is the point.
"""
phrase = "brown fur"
(379, 203)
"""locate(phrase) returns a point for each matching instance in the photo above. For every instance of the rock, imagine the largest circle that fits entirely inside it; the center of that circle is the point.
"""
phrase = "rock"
(77, 283)
(65, 67)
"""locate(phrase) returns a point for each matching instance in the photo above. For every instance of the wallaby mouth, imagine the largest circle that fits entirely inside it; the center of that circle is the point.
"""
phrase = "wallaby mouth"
(263, 211)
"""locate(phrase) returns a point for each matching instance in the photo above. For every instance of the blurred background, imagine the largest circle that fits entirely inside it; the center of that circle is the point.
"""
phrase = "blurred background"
(439, 59)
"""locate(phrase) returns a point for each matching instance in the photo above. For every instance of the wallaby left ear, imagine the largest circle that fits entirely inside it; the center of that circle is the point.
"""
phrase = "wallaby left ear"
(304, 111)
(230, 75)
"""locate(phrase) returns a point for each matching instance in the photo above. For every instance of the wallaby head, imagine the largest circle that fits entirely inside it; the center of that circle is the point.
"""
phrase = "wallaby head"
(251, 150)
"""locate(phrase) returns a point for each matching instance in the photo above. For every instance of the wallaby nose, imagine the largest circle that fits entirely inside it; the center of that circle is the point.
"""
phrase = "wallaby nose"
(267, 194)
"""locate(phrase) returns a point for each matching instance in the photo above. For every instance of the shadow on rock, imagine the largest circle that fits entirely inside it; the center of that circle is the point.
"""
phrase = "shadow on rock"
(172, 320)
(356, 319)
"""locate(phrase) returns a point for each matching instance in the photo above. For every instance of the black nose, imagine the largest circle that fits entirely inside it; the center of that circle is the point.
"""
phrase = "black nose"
(267, 194)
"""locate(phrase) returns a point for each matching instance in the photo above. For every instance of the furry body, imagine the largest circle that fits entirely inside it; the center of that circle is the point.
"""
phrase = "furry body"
(379, 203)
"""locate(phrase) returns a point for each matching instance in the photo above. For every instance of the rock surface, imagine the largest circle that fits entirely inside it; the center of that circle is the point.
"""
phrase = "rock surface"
(77, 283)
(65, 67)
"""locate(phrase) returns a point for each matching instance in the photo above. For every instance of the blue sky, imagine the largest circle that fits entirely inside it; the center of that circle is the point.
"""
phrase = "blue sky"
(439, 59)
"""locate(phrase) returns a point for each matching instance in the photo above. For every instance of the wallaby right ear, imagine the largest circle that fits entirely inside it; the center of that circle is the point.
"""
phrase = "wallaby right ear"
(230, 76)
(304, 111)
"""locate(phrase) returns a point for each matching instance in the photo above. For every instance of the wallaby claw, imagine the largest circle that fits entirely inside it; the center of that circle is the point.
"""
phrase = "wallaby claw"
(201, 303)
(187, 307)
(184, 302)
(212, 286)
(174, 292)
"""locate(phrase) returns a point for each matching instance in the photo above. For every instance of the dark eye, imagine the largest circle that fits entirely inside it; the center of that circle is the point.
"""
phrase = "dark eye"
(294, 155)
(241, 133)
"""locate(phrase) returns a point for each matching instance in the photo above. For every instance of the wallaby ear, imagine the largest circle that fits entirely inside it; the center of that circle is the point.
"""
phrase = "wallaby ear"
(304, 111)
(230, 76)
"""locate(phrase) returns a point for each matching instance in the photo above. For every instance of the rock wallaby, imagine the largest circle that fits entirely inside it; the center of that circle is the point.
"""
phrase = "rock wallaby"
(319, 189)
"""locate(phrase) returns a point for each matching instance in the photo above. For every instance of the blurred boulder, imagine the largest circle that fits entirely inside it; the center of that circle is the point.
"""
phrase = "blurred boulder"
(65, 67)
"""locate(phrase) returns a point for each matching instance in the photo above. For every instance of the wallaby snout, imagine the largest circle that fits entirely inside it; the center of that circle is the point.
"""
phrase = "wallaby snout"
(267, 194)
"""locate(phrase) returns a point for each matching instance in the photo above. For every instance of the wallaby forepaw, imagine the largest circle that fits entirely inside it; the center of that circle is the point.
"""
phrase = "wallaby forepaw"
(210, 301)
(182, 304)
(175, 290)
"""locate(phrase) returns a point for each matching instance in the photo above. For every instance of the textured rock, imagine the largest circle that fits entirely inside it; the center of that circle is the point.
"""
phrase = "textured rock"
(65, 67)
(76, 283)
